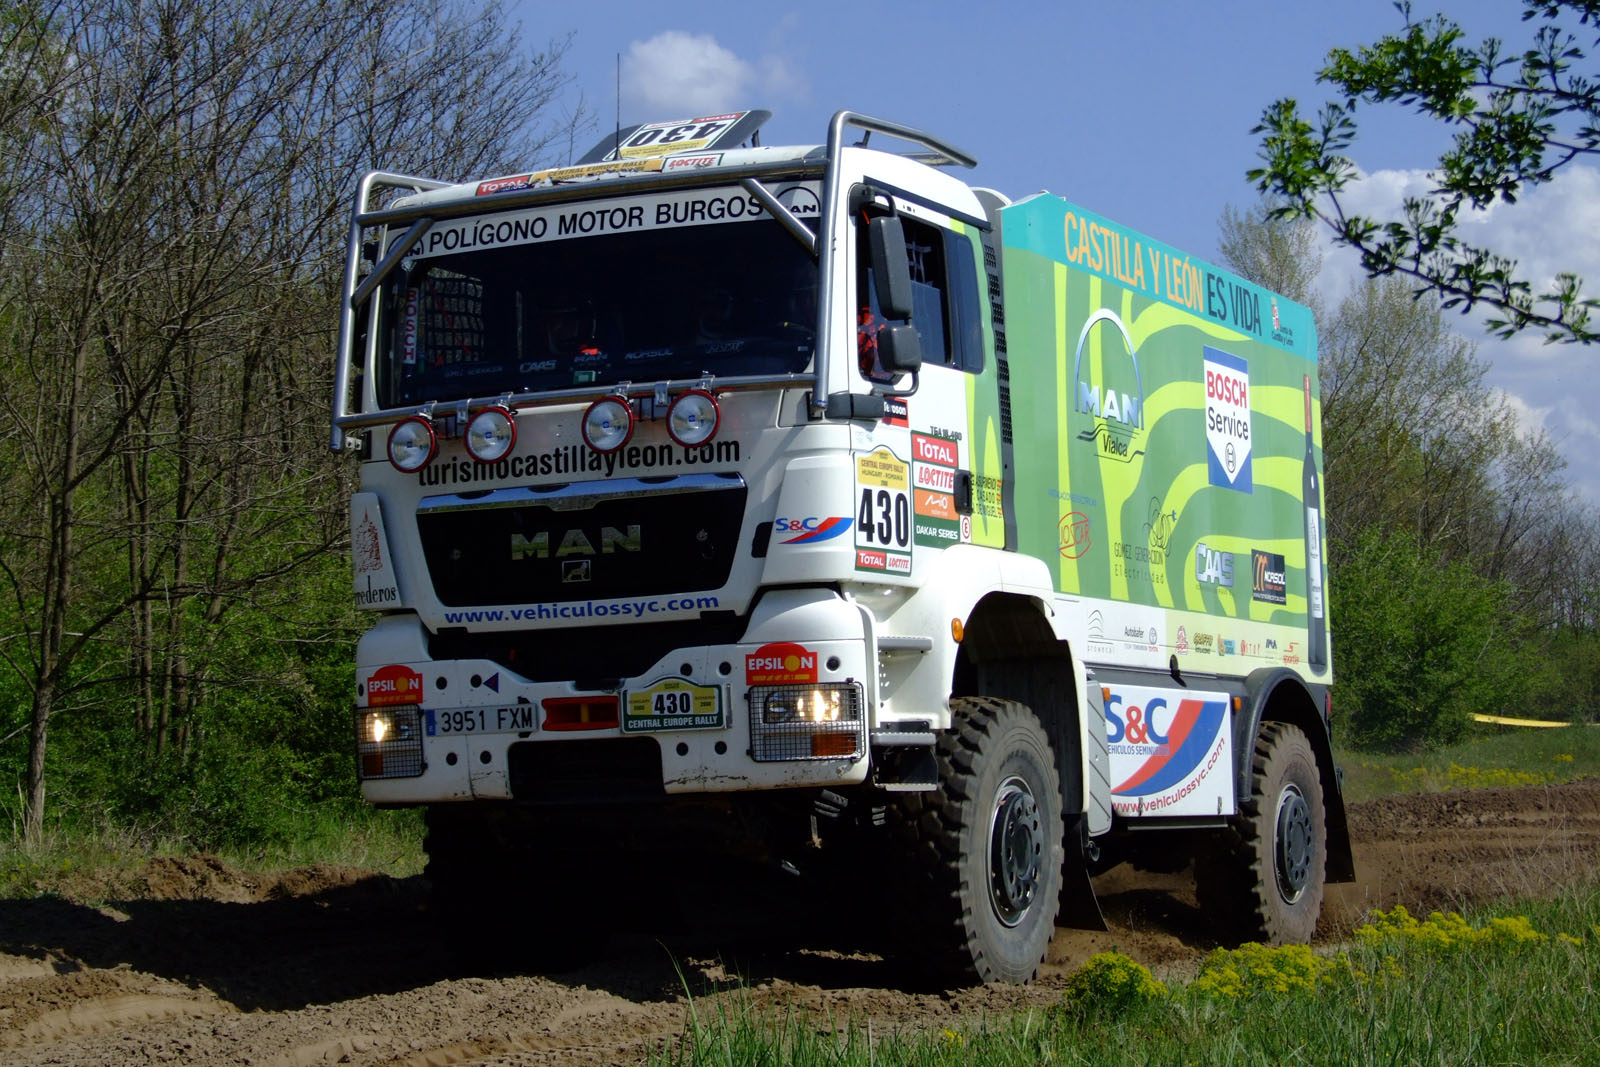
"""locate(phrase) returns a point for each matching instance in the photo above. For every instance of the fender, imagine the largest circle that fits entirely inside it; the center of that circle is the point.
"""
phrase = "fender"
(1297, 703)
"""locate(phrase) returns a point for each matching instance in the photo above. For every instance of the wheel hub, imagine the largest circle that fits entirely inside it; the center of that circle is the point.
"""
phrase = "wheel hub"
(1016, 840)
(1293, 843)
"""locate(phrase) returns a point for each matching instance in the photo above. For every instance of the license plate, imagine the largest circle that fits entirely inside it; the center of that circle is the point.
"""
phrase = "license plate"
(443, 722)
(673, 704)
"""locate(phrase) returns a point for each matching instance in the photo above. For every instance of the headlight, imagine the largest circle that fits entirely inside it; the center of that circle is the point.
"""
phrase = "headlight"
(693, 417)
(807, 722)
(389, 741)
(491, 433)
(412, 444)
(608, 423)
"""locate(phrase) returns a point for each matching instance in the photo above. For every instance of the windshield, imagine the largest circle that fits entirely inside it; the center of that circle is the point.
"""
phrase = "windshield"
(720, 290)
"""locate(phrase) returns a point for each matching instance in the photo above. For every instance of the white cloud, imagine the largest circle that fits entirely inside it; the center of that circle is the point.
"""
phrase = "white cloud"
(680, 74)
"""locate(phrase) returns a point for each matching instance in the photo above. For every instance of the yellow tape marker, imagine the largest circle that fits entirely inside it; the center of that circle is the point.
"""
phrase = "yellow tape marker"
(1501, 720)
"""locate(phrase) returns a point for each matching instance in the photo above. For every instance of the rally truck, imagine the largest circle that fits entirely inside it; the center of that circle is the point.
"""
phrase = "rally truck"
(810, 507)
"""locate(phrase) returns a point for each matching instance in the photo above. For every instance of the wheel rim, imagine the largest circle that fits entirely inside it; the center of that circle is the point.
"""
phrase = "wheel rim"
(1016, 846)
(1293, 860)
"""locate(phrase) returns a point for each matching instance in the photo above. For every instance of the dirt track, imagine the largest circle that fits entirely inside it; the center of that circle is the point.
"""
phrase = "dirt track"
(202, 964)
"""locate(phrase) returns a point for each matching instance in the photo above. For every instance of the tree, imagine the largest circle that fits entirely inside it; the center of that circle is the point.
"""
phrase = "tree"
(1451, 547)
(166, 317)
(1518, 117)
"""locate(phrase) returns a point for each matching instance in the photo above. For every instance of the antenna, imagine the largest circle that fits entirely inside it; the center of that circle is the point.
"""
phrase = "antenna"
(616, 146)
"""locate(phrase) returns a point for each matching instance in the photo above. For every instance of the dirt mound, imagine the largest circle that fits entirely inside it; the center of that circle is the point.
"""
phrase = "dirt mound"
(191, 960)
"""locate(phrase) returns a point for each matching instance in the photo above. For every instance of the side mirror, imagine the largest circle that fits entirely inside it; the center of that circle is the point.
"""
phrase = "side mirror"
(891, 269)
(900, 349)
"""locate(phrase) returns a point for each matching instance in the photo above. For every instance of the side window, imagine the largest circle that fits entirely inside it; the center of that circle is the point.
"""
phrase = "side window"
(945, 309)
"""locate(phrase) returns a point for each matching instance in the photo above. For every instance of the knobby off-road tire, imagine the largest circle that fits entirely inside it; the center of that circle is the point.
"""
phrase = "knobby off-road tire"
(985, 848)
(1265, 880)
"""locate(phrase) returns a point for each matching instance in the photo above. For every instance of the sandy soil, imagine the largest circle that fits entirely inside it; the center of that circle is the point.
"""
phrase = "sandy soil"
(194, 962)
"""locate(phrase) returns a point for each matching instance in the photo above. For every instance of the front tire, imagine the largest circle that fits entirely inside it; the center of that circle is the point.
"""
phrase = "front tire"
(989, 845)
(1271, 869)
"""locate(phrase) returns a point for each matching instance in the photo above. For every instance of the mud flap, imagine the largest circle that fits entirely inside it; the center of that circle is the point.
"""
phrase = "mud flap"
(1080, 908)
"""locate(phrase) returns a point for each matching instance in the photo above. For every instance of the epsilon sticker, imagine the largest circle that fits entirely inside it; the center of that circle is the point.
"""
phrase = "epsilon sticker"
(394, 684)
(780, 663)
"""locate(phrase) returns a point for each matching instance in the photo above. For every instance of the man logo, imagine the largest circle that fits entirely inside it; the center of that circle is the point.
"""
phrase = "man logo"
(1118, 416)
(576, 543)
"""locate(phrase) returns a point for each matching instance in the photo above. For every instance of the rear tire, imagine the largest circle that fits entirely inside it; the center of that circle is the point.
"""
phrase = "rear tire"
(987, 846)
(1270, 870)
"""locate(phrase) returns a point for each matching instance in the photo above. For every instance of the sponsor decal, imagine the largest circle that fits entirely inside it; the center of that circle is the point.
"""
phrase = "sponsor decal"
(588, 609)
(936, 505)
(1098, 644)
(699, 162)
(896, 412)
(883, 512)
(1213, 567)
(375, 585)
(555, 222)
(1182, 645)
(1267, 577)
(1202, 643)
(410, 319)
(673, 704)
(578, 459)
(394, 684)
(812, 529)
(934, 480)
(927, 449)
(1114, 402)
(1170, 751)
(677, 135)
(1075, 535)
(781, 663)
(561, 174)
(504, 185)
(1227, 390)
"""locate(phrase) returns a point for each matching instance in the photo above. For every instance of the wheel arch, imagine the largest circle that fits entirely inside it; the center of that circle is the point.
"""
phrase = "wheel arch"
(1277, 694)
(1009, 649)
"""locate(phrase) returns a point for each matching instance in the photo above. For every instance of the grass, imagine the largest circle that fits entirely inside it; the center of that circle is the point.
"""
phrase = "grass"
(1507, 986)
(1492, 756)
(389, 842)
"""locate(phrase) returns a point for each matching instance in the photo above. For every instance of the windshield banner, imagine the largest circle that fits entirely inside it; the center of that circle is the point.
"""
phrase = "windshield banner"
(559, 222)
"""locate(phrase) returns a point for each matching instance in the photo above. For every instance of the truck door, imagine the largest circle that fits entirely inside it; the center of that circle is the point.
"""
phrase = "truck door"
(931, 474)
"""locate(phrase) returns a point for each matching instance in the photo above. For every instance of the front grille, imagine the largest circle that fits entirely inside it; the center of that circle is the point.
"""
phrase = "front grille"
(627, 537)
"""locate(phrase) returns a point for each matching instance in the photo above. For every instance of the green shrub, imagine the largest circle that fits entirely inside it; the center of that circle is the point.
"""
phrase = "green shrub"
(1420, 644)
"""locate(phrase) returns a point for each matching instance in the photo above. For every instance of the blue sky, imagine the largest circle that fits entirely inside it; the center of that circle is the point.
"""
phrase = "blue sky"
(1140, 111)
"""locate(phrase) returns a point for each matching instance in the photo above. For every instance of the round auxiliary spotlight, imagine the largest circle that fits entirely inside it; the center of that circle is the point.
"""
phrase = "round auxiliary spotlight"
(412, 444)
(693, 418)
(608, 423)
(491, 434)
